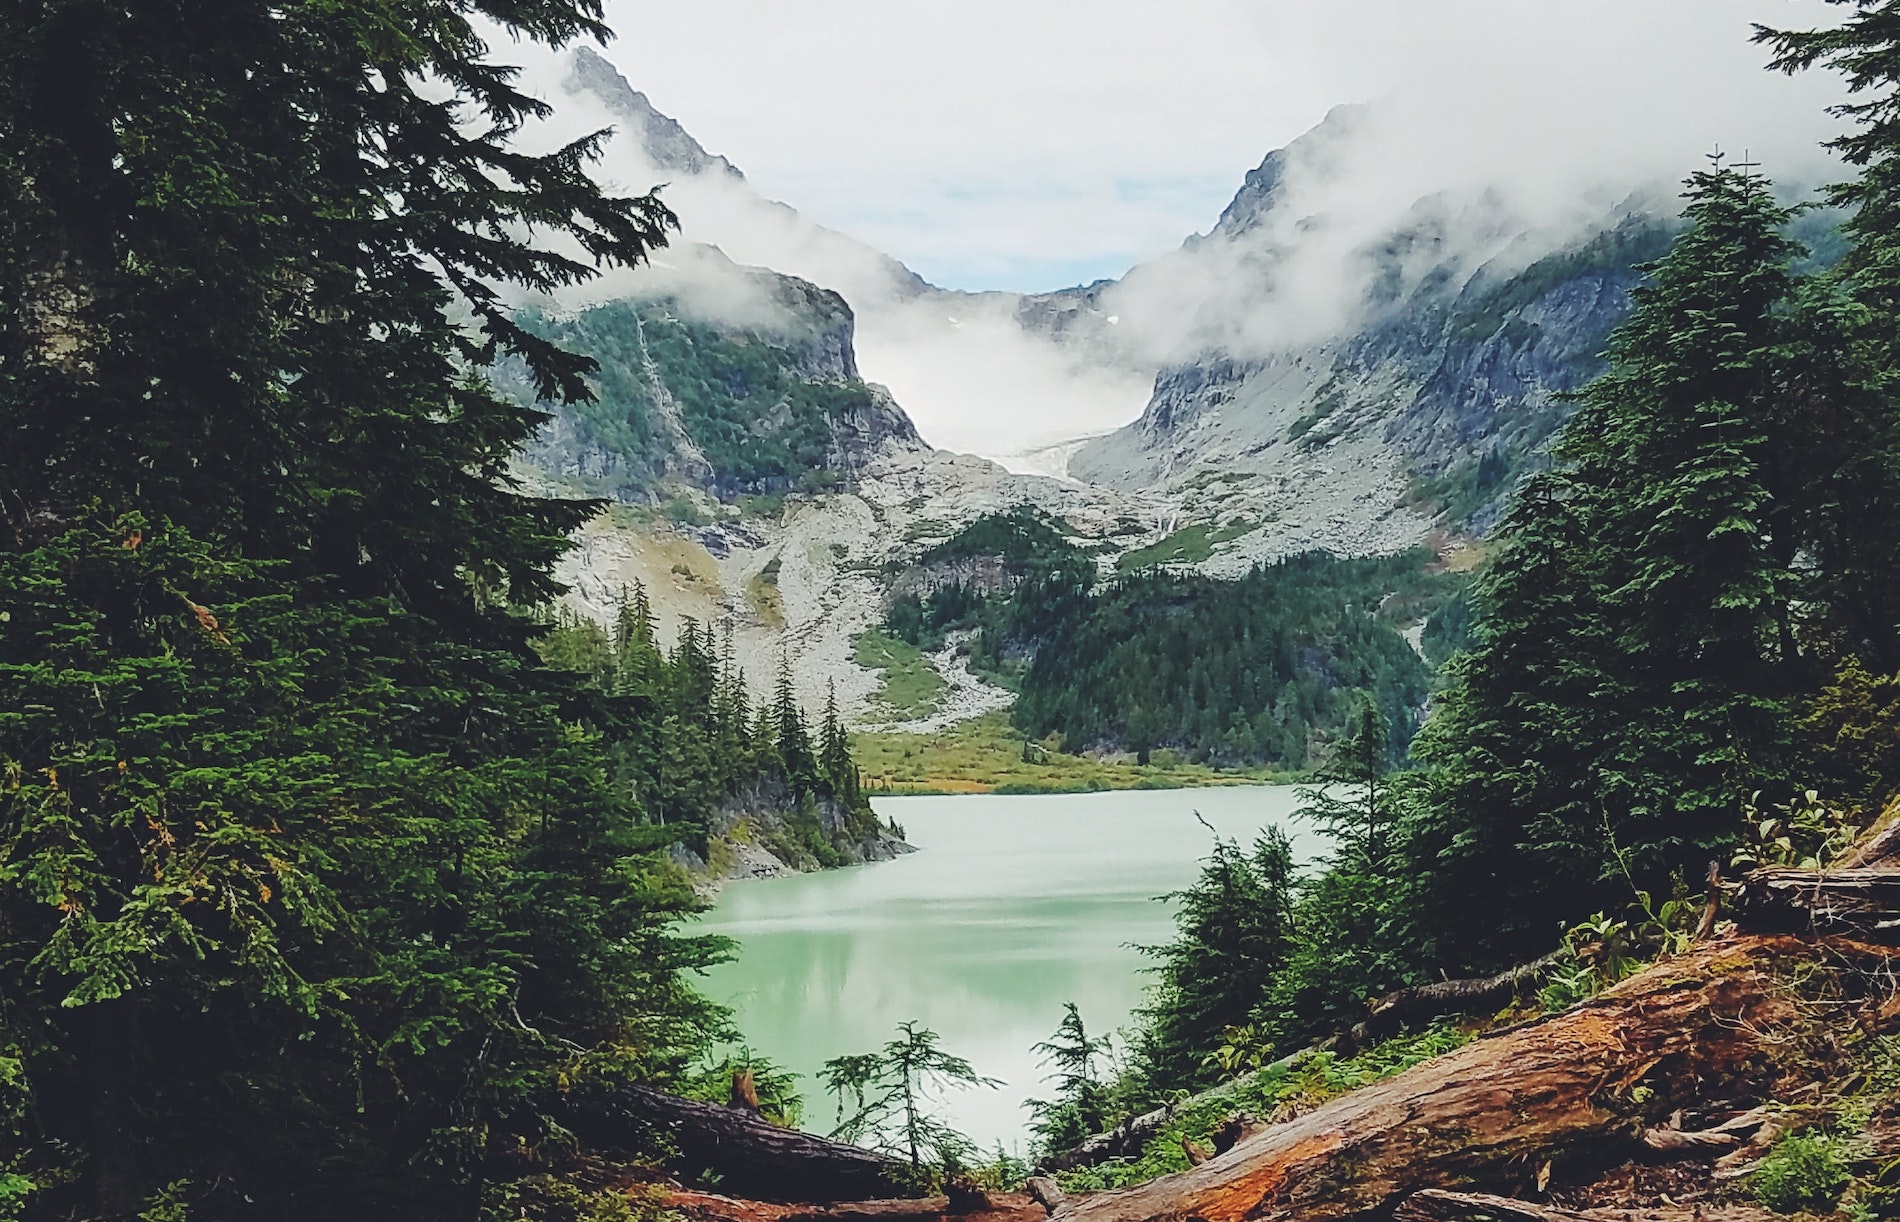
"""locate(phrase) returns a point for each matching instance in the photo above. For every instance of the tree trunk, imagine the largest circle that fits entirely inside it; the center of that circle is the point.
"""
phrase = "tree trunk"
(1562, 1086)
(1434, 1205)
(751, 1155)
(1126, 1139)
(1858, 901)
(1426, 1001)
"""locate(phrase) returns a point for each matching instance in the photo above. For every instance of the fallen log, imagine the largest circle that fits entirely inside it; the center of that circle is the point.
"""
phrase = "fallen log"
(1127, 1139)
(1882, 844)
(1044, 1192)
(1482, 1114)
(1857, 901)
(1731, 1134)
(1436, 1205)
(1428, 1001)
(712, 1207)
(751, 1155)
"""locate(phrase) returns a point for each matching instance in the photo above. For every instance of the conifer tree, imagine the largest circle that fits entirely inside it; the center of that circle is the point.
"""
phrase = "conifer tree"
(311, 878)
(1234, 932)
(1627, 686)
(834, 754)
(793, 741)
(1846, 424)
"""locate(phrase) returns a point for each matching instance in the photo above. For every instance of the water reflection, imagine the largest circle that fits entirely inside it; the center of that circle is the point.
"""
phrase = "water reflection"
(1014, 906)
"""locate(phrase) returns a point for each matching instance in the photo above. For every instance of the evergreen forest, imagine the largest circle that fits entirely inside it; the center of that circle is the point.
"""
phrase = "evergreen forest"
(337, 861)
(329, 859)
(1263, 669)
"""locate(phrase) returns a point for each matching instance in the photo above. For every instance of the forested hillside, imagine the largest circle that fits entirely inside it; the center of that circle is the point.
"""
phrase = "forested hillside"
(1681, 663)
(764, 402)
(1264, 669)
(682, 736)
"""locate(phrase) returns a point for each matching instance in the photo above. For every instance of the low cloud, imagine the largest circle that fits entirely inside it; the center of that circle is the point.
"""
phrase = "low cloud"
(1002, 136)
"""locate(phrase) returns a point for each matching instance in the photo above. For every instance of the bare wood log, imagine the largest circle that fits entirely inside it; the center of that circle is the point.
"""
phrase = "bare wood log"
(1437, 1205)
(1883, 845)
(1126, 1139)
(1455, 996)
(1861, 901)
(1672, 1138)
(1044, 1192)
(1713, 909)
(752, 1156)
(1484, 1112)
(712, 1207)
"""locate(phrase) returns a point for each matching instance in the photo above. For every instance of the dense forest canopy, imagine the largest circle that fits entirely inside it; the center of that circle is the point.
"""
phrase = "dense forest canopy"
(1258, 670)
(681, 735)
(330, 857)
(314, 880)
(1688, 634)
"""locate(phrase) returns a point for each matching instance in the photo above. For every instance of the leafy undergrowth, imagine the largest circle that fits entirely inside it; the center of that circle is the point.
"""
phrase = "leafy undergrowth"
(987, 755)
(1272, 1094)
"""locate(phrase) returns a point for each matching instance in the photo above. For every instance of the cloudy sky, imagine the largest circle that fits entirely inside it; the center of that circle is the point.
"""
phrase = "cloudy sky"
(1031, 144)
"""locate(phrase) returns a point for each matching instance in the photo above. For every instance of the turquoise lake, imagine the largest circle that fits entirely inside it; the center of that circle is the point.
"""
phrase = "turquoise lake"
(1012, 906)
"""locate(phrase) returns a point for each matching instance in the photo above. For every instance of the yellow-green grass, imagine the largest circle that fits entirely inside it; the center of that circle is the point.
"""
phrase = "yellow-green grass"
(909, 686)
(1189, 545)
(985, 755)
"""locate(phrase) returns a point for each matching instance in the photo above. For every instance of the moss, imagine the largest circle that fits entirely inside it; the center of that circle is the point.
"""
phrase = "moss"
(985, 755)
(1804, 1172)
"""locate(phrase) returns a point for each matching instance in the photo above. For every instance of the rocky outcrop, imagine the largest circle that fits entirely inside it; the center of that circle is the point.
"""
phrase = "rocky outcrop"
(1428, 384)
(731, 380)
(670, 147)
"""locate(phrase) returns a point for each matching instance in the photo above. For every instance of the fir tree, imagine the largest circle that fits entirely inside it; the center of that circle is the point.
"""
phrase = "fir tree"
(286, 792)
(1627, 686)
(1234, 932)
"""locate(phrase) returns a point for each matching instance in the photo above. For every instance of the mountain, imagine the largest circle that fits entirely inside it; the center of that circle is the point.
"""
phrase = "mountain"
(1304, 378)
(1421, 413)
(668, 145)
(731, 380)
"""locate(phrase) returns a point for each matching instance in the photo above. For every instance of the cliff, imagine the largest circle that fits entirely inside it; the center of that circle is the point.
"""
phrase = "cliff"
(731, 380)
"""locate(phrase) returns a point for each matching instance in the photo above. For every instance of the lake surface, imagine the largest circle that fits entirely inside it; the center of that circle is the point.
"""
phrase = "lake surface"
(1012, 906)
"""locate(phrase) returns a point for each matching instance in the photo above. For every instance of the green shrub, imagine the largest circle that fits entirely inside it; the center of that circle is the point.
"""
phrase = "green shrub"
(1803, 1172)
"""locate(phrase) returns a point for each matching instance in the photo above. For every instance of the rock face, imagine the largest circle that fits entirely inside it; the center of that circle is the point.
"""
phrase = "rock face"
(668, 145)
(730, 380)
(1445, 379)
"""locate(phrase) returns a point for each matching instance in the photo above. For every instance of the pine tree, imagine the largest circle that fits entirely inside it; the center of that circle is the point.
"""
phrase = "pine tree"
(1628, 682)
(792, 740)
(286, 792)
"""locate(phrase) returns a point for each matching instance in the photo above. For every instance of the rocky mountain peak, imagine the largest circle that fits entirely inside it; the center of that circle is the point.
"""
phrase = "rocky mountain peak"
(668, 146)
(1261, 189)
